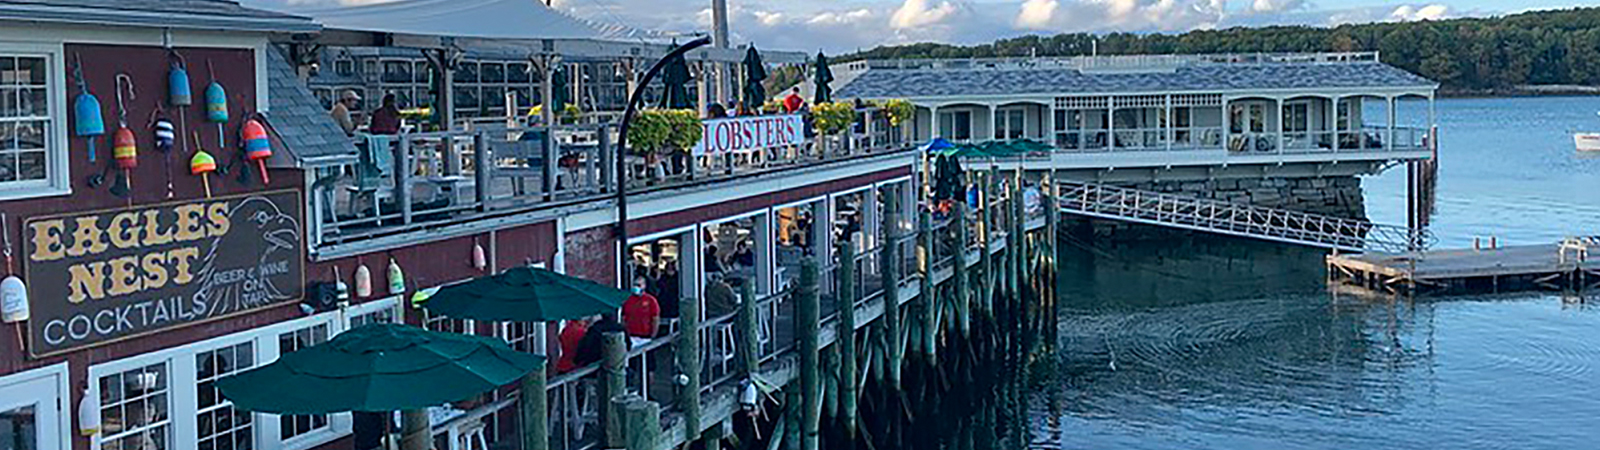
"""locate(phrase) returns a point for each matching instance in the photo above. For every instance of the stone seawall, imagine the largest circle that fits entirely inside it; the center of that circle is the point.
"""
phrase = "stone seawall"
(1330, 196)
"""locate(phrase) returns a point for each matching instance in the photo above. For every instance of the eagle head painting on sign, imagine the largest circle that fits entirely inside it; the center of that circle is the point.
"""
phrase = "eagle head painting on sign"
(108, 275)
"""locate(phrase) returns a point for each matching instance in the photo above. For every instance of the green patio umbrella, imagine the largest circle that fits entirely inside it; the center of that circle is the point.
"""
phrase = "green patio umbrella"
(820, 80)
(378, 368)
(526, 294)
(674, 76)
(1029, 146)
(754, 73)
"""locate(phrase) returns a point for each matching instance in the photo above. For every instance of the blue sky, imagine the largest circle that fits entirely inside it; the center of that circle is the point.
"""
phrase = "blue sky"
(846, 25)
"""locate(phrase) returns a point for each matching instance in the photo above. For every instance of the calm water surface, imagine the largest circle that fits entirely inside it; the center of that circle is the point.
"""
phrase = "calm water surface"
(1219, 343)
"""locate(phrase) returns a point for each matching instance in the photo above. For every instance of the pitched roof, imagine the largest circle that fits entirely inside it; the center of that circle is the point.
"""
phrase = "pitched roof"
(981, 81)
(305, 129)
(210, 14)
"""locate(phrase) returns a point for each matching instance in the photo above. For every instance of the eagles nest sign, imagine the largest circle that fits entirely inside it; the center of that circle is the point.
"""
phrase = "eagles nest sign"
(99, 277)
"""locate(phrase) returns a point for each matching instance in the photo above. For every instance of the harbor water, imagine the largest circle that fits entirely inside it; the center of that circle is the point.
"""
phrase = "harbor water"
(1209, 342)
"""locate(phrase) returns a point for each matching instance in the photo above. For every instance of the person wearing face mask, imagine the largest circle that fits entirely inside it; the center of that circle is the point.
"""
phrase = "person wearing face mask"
(641, 313)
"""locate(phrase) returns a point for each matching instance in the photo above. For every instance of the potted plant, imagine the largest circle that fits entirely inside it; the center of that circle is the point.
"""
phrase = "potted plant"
(658, 132)
(831, 119)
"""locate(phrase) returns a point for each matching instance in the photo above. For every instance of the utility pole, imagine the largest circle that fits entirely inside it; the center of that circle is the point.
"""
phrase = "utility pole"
(719, 39)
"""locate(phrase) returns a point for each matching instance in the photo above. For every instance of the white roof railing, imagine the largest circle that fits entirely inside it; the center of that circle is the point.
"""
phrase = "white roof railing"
(1116, 63)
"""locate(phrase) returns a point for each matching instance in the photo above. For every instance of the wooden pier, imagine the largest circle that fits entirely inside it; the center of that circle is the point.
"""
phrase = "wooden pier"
(1559, 266)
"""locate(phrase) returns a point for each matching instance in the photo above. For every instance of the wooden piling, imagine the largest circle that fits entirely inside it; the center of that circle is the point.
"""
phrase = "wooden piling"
(415, 432)
(845, 340)
(806, 330)
(962, 278)
(792, 403)
(892, 262)
(613, 383)
(928, 294)
(644, 425)
(688, 357)
(534, 409)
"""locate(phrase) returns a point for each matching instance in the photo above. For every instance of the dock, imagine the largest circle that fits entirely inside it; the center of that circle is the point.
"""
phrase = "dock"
(1559, 266)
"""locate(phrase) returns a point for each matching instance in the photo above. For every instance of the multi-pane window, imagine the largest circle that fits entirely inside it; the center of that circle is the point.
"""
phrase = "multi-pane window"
(219, 425)
(25, 122)
(522, 335)
(1296, 116)
(293, 425)
(133, 409)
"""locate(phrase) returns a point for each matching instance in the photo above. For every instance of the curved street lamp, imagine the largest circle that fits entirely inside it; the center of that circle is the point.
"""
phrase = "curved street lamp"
(625, 275)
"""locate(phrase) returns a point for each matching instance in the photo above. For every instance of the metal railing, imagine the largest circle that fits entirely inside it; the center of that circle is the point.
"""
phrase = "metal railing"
(1366, 139)
(1132, 205)
(1114, 62)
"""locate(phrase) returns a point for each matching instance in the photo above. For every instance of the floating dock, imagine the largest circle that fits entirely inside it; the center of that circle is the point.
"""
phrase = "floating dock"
(1560, 266)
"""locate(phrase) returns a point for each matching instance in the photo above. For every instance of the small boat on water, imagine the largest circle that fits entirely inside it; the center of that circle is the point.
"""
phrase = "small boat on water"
(1587, 142)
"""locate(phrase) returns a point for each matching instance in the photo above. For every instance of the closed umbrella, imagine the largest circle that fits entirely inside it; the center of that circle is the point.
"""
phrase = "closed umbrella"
(559, 97)
(526, 294)
(754, 73)
(675, 75)
(820, 79)
(378, 368)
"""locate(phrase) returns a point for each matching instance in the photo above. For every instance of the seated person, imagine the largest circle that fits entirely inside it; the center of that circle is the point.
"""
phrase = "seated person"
(588, 351)
(720, 298)
(571, 336)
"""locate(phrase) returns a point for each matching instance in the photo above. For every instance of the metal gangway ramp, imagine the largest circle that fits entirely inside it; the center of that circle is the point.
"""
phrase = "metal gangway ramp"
(1236, 219)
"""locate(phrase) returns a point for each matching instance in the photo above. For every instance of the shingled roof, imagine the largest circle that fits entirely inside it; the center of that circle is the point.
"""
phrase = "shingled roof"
(981, 81)
(206, 14)
(306, 130)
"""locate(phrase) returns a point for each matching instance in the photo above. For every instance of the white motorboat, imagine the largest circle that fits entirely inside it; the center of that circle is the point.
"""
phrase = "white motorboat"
(1587, 142)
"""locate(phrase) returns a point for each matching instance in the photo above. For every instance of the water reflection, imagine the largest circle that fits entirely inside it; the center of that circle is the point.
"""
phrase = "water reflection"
(1225, 343)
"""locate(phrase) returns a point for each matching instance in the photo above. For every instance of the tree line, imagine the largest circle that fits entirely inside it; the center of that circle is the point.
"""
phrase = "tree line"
(1466, 55)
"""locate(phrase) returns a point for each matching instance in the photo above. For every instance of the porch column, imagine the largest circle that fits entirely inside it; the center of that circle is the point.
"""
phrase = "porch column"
(1433, 130)
(933, 121)
(1170, 123)
(1048, 112)
(1280, 124)
(822, 245)
(871, 225)
(691, 267)
(1111, 124)
(700, 87)
(764, 250)
(867, 115)
(1389, 144)
(1227, 125)
(994, 122)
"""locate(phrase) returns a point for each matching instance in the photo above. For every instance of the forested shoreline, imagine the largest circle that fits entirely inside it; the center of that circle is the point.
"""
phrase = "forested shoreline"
(1468, 56)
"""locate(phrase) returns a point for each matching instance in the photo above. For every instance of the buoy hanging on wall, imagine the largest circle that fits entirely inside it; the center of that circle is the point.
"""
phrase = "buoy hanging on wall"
(88, 123)
(89, 414)
(341, 291)
(202, 164)
(363, 281)
(479, 261)
(13, 293)
(256, 146)
(166, 136)
(397, 279)
(125, 149)
(178, 91)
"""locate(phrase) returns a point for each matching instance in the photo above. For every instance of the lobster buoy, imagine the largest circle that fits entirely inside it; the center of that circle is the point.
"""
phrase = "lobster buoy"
(216, 103)
(166, 135)
(13, 300)
(89, 124)
(479, 261)
(256, 146)
(125, 149)
(203, 164)
(363, 281)
(178, 92)
(397, 279)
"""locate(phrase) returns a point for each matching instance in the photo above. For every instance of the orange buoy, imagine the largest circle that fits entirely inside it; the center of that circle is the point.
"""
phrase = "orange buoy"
(202, 164)
(256, 146)
(125, 149)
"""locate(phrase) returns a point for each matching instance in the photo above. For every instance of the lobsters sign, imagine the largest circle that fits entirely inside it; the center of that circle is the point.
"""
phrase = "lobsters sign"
(102, 276)
(750, 133)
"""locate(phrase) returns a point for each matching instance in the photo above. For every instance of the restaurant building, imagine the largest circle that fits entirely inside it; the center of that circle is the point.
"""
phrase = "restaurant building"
(147, 281)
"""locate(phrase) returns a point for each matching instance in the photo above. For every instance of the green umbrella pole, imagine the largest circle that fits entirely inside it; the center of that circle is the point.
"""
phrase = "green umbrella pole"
(535, 415)
(613, 380)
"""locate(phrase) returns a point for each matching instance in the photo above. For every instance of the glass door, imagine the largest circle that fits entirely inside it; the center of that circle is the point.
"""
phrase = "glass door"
(29, 414)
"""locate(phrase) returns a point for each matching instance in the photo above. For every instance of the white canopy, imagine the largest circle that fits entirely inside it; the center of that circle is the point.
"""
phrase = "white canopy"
(488, 19)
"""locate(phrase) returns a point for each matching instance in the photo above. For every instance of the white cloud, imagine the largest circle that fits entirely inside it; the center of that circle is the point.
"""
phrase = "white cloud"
(919, 13)
(1277, 5)
(1036, 14)
(1408, 13)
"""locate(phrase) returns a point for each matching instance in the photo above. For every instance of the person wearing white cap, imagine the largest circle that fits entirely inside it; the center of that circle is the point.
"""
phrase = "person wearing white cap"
(341, 111)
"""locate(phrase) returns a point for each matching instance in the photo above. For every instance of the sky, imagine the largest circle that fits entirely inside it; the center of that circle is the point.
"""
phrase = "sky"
(846, 25)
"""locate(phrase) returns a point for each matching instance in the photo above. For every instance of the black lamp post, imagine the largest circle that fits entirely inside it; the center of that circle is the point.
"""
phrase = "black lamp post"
(625, 275)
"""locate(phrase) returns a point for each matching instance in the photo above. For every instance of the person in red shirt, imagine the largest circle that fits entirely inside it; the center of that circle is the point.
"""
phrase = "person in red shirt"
(571, 336)
(641, 313)
(793, 102)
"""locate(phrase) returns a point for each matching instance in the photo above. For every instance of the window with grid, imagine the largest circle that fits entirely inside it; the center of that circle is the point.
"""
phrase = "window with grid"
(218, 425)
(133, 409)
(290, 426)
(520, 335)
(26, 125)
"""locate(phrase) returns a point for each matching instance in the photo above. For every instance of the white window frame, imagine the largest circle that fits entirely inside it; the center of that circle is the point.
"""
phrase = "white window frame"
(57, 149)
(59, 372)
(181, 381)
